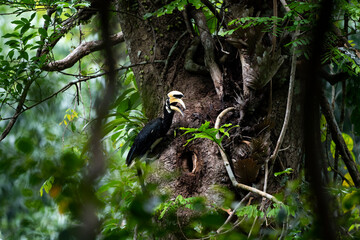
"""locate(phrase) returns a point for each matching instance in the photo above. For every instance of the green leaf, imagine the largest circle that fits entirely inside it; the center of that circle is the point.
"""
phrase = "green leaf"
(84, 4)
(197, 3)
(25, 145)
(24, 55)
(13, 43)
(147, 15)
(19, 87)
(18, 22)
(349, 141)
(43, 32)
(349, 144)
(204, 131)
(194, 203)
(32, 16)
(286, 171)
(9, 35)
(47, 18)
(25, 20)
(11, 54)
(123, 96)
(355, 227)
(73, 127)
(47, 185)
(351, 200)
(109, 185)
(249, 211)
(333, 148)
(27, 37)
(24, 29)
(323, 128)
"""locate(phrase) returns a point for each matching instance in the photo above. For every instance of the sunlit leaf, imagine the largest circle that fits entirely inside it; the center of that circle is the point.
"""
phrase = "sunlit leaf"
(349, 180)
(351, 200)
(286, 171)
(349, 141)
(323, 128)
(47, 185)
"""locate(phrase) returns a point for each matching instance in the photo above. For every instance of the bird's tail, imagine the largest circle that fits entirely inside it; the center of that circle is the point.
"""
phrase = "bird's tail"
(130, 156)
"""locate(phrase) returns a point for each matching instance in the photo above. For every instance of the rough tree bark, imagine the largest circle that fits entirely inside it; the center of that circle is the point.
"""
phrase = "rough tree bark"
(248, 63)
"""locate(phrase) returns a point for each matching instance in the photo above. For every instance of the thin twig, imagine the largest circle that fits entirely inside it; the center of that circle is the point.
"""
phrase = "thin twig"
(289, 99)
(252, 227)
(135, 232)
(85, 48)
(284, 228)
(237, 223)
(287, 114)
(67, 86)
(66, 26)
(166, 67)
(338, 139)
(233, 212)
(229, 170)
(286, 119)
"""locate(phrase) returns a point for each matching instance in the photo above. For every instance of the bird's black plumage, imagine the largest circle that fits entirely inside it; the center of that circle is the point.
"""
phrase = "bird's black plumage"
(156, 128)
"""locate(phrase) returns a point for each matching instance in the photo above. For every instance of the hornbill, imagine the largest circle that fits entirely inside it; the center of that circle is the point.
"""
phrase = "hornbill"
(153, 131)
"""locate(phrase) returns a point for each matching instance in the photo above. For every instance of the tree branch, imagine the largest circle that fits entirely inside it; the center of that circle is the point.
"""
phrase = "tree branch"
(81, 51)
(339, 140)
(83, 79)
(28, 84)
(18, 111)
(82, 14)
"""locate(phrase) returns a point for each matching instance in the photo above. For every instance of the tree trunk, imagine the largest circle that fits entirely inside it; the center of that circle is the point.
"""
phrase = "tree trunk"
(194, 170)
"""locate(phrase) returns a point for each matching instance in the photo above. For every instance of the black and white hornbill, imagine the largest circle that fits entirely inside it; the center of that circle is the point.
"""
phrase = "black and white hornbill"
(157, 128)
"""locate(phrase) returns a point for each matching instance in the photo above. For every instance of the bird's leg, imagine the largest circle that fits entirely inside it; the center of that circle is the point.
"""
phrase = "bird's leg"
(140, 175)
(150, 159)
(155, 143)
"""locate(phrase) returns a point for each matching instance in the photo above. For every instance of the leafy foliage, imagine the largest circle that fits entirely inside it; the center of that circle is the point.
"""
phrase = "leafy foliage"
(174, 5)
(127, 122)
(204, 131)
(47, 185)
(190, 203)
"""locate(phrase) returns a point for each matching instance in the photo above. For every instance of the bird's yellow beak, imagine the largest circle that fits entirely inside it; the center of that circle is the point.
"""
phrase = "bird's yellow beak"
(175, 97)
